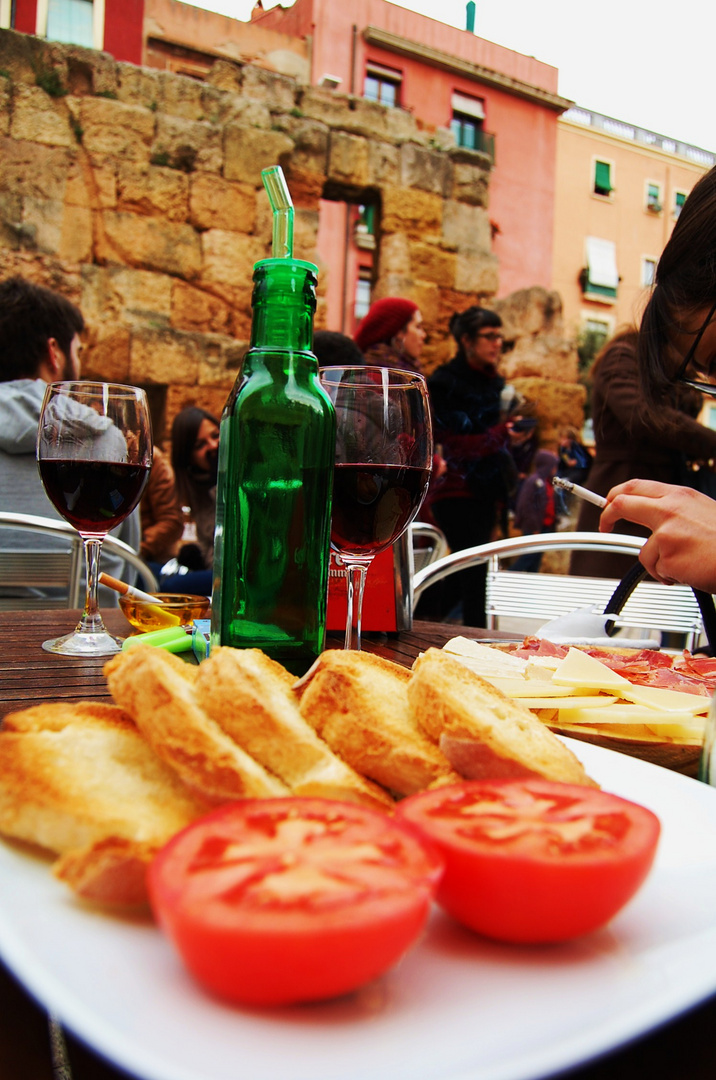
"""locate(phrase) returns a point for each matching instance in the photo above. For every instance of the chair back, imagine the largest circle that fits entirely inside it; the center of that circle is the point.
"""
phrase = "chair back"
(428, 544)
(528, 600)
(27, 570)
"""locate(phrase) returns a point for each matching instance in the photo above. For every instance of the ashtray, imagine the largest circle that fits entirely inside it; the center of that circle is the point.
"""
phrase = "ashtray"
(166, 609)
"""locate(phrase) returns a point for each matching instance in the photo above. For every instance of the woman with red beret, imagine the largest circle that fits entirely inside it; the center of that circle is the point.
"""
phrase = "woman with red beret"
(391, 334)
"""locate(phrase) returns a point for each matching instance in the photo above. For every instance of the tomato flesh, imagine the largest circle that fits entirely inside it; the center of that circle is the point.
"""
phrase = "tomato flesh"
(275, 901)
(534, 860)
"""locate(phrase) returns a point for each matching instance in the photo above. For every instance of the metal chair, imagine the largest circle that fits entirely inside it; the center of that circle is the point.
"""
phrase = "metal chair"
(428, 544)
(58, 569)
(539, 597)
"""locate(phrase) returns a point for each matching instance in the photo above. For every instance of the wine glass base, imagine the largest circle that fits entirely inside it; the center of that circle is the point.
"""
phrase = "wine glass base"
(83, 646)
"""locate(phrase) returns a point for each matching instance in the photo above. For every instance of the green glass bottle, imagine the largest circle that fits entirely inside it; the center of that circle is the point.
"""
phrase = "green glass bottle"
(276, 453)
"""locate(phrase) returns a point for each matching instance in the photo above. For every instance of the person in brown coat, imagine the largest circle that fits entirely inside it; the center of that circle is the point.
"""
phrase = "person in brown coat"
(633, 440)
(161, 514)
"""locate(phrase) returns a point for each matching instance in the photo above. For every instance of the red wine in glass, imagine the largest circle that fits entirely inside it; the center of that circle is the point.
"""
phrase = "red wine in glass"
(94, 453)
(384, 451)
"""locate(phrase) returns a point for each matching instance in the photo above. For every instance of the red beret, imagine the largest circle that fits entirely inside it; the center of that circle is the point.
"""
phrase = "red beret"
(383, 321)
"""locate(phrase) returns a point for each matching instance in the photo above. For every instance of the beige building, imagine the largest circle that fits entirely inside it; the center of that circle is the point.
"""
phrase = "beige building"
(619, 191)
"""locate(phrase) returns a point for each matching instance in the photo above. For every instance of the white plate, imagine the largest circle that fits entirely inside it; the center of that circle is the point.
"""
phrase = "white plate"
(456, 1008)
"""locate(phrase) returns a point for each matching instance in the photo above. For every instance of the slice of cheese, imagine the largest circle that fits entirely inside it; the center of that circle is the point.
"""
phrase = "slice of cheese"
(624, 713)
(595, 703)
(580, 669)
(665, 700)
(484, 660)
(520, 688)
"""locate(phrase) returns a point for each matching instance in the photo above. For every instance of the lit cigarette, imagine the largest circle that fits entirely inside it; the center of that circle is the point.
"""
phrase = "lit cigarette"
(127, 590)
(580, 492)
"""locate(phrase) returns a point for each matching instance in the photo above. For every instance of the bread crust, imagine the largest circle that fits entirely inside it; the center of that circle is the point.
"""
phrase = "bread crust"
(157, 690)
(358, 702)
(249, 696)
(453, 703)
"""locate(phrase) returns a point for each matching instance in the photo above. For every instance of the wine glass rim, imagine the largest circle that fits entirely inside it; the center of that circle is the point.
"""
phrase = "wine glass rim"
(393, 376)
(91, 386)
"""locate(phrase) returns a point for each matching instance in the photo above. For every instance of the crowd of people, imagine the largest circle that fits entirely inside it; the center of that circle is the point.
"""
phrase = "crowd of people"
(489, 472)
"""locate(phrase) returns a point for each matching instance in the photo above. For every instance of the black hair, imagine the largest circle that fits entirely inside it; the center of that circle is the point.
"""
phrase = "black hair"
(685, 281)
(29, 316)
(331, 347)
(184, 430)
(470, 322)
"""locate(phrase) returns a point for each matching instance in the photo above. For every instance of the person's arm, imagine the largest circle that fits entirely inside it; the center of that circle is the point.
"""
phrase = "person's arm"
(166, 521)
(682, 545)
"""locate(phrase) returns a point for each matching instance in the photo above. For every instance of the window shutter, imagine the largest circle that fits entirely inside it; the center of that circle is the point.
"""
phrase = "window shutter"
(602, 177)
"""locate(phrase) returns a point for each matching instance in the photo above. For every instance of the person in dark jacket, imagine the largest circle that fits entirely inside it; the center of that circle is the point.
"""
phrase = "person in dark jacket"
(475, 440)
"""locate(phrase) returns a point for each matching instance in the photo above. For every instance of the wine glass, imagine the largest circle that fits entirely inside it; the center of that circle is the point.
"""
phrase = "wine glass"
(94, 453)
(384, 449)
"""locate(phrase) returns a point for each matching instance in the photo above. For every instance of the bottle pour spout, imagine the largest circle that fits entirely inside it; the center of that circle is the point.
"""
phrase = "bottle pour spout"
(282, 206)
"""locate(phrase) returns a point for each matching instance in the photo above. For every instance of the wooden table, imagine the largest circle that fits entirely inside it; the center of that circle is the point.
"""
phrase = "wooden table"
(682, 1050)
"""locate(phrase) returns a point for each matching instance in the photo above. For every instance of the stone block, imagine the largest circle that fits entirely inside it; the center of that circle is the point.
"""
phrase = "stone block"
(187, 145)
(125, 296)
(165, 356)
(220, 360)
(229, 257)
(107, 357)
(115, 129)
(91, 183)
(542, 356)
(310, 150)
(36, 117)
(276, 91)
(198, 310)
(138, 86)
(35, 170)
(383, 164)
(211, 398)
(348, 160)
(216, 203)
(306, 187)
(555, 404)
(430, 262)
(466, 228)
(5, 104)
(224, 75)
(477, 273)
(531, 311)
(149, 243)
(42, 219)
(425, 169)
(153, 190)
(395, 254)
(415, 213)
(179, 96)
(249, 150)
(470, 184)
(75, 244)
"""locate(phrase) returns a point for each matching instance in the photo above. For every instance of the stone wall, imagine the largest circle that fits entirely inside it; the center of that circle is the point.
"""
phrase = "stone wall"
(138, 194)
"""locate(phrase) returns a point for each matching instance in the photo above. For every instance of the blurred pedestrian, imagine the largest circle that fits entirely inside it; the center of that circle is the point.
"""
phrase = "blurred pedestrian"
(475, 440)
(334, 348)
(536, 509)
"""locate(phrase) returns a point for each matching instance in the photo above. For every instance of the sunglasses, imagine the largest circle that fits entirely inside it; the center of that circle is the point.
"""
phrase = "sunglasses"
(492, 336)
(695, 384)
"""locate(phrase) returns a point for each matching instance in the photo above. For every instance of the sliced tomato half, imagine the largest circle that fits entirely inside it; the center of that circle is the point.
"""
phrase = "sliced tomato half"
(275, 901)
(534, 860)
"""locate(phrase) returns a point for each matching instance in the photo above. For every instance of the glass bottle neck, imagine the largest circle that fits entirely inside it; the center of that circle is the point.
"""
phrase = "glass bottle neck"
(284, 301)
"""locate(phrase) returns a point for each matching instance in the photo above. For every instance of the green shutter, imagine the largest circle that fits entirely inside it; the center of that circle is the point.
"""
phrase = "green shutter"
(602, 178)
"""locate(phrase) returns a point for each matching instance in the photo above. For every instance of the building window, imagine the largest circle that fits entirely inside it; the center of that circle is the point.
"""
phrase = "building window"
(71, 22)
(679, 200)
(653, 198)
(382, 84)
(648, 271)
(603, 178)
(468, 117)
(599, 278)
(363, 289)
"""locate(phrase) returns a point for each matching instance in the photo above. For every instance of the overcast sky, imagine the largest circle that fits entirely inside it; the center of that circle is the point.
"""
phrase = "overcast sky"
(649, 64)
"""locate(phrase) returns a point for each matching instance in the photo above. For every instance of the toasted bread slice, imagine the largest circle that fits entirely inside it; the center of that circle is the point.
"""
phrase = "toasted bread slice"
(249, 696)
(485, 733)
(77, 776)
(157, 690)
(358, 703)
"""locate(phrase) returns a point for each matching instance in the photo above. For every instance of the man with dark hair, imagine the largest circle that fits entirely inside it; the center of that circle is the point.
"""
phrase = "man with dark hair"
(39, 344)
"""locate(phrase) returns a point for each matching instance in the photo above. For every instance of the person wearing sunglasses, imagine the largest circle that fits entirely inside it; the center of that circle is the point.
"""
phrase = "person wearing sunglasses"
(677, 347)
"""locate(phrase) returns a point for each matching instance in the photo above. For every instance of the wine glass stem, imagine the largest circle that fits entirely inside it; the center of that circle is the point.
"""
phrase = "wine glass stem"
(356, 587)
(91, 621)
